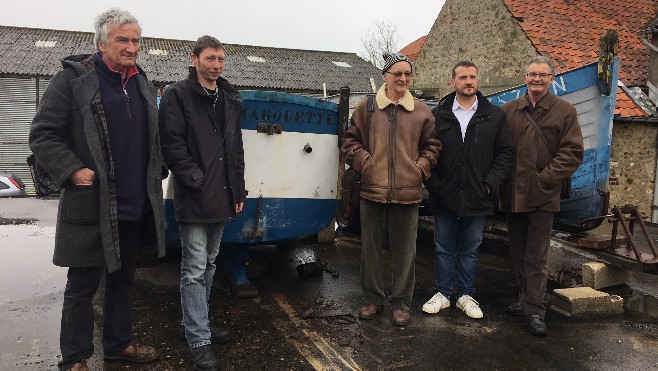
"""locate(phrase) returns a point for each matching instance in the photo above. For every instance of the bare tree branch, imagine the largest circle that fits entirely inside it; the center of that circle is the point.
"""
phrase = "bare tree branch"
(383, 38)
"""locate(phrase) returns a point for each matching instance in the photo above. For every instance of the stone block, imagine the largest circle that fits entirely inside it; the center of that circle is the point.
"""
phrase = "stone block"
(328, 234)
(599, 242)
(600, 275)
(585, 301)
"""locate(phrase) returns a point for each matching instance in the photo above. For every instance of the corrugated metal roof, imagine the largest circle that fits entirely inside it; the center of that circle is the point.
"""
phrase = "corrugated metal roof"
(34, 51)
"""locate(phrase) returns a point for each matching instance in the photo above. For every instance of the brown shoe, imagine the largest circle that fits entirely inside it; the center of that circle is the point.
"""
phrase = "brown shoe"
(80, 366)
(134, 353)
(369, 311)
(401, 317)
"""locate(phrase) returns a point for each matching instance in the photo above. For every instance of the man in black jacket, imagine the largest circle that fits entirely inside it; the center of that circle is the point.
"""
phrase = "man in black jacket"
(202, 145)
(475, 159)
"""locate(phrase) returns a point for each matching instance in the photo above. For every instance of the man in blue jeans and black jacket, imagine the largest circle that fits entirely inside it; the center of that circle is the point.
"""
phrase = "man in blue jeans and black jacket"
(202, 145)
(475, 159)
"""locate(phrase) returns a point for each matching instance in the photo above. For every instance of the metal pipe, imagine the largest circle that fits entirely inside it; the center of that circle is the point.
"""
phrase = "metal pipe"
(650, 45)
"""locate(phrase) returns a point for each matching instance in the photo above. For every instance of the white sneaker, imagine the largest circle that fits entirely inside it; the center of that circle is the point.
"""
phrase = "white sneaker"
(470, 307)
(436, 303)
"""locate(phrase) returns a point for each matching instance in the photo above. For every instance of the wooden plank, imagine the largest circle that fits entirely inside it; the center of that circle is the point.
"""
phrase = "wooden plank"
(600, 242)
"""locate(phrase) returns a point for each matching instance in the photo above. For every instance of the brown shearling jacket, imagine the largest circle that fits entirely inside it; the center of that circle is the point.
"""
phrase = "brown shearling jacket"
(395, 151)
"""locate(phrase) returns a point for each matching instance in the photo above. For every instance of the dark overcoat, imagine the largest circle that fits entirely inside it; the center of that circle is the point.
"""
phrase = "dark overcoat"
(537, 171)
(205, 156)
(69, 132)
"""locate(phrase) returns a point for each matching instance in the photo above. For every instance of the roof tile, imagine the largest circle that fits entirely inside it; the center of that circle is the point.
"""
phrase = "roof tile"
(572, 29)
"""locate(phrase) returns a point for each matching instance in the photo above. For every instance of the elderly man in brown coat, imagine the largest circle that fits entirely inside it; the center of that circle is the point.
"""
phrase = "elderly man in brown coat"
(531, 196)
(392, 143)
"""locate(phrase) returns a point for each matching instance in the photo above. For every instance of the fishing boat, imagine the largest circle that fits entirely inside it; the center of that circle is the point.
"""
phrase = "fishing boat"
(291, 170)
(590, 90)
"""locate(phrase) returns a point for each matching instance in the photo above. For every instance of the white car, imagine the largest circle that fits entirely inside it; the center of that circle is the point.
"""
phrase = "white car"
(11, 185)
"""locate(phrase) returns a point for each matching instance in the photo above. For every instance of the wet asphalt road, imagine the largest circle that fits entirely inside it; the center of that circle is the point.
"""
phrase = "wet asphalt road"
(304, 324)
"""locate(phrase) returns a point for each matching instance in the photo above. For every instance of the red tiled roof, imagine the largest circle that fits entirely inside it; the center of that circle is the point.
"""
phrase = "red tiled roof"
(626, 107)
(568, 32)
(412, 51)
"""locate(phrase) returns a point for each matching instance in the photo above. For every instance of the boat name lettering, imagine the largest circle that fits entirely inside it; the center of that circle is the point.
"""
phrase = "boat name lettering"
(280, 116)
(558, 86)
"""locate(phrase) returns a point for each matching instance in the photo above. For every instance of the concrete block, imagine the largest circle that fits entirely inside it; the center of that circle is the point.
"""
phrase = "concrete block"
(585, 301)
(328, 234)
(599, 275)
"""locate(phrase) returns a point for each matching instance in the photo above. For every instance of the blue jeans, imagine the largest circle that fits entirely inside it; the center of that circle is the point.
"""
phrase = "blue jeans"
(456, 242)
(200, 248)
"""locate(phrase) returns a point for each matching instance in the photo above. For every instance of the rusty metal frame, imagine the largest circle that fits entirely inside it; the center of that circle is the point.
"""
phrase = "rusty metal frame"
(628, 216)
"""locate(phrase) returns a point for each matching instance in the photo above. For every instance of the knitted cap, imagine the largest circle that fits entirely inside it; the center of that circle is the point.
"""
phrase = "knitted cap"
(393, 58)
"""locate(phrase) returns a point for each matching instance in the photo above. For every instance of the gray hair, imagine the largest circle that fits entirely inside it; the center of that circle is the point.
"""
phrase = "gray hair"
(540, 59)
(112, 15)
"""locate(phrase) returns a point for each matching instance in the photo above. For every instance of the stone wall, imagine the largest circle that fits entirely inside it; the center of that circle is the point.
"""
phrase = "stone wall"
(633, 165)
(483, 32)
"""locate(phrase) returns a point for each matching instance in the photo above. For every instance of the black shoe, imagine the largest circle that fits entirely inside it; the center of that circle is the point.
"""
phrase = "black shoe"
(514, 309)
(537, 325)
(219, 335)
(204, 359)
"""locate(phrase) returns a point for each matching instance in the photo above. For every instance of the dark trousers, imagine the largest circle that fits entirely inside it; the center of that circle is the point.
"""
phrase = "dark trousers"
(399, 225)
(530, 238)
(77, 327)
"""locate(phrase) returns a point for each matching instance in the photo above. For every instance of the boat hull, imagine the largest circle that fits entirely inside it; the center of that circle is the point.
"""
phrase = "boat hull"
(291, 170)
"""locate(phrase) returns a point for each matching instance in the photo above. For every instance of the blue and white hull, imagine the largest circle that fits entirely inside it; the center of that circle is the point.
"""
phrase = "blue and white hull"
(589, 197)
(291, 169)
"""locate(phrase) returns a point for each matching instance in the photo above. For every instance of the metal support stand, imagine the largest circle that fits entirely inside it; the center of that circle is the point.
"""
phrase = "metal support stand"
(629, 215)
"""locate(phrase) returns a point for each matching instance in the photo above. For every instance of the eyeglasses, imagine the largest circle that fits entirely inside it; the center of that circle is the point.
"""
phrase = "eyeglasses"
(542, 76)
(400, 74)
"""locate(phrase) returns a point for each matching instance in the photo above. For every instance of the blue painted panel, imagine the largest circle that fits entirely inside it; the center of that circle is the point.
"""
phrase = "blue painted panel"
(295, 112)
(566, 83)
(280, 219)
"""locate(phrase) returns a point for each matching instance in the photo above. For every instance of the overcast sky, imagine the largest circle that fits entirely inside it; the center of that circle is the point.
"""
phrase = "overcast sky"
(329, 25)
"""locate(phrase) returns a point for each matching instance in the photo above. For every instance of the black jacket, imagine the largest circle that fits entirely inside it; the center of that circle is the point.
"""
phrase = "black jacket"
(208, 164)
(484, 156)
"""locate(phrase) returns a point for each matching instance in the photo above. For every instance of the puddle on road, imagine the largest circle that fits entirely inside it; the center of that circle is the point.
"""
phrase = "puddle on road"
(26, 267)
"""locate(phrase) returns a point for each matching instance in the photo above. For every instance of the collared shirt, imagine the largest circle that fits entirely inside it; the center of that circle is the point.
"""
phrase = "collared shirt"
(531, 107)
(464, 115)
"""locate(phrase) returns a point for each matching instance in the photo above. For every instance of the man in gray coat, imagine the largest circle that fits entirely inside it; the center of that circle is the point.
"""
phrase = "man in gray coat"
(96, 135)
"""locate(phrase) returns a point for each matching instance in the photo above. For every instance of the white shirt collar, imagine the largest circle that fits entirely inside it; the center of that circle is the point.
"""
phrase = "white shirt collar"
(456, 105)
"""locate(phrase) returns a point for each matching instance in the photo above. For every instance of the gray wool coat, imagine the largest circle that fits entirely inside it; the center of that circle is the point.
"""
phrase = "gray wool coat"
(69, 132)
